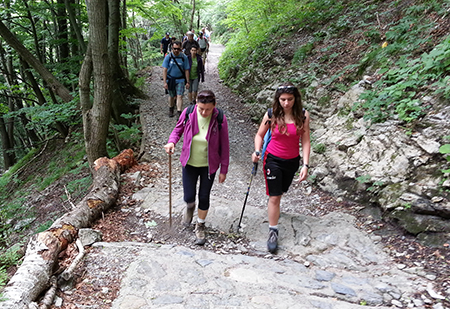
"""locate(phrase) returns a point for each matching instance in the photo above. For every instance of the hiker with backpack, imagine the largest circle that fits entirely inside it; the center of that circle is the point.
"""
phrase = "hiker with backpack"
(204, 45)
(175, 77)
(190, 42)
(288, 124)
(165, 42)
(196, 73)
(205, 149)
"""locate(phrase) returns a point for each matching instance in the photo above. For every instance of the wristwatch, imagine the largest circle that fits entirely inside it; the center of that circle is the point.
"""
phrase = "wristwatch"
(306, 165)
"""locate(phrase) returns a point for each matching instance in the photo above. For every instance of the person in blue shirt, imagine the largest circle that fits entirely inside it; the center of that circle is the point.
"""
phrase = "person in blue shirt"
(176, 77)
(165, 42)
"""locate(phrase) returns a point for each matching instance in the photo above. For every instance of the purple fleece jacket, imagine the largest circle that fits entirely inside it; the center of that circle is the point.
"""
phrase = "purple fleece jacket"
(218, 140)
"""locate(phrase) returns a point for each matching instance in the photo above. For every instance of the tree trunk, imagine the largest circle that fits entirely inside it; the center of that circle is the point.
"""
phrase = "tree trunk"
(8, 154)
(62, 33)
(41, 256)
(123, 56)
(191, 25)
(96, 119)
(53, 83)
(75, 26)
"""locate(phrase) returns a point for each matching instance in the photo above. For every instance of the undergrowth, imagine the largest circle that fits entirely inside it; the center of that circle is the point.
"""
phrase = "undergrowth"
(399, 41)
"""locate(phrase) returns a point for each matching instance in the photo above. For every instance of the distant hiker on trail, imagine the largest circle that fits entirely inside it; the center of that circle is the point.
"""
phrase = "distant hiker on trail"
(289, 125)
(205, 148)
(175, 75)
(196, 74)
(204, 45)
(173, 40)
(189, 43)
(165, 42)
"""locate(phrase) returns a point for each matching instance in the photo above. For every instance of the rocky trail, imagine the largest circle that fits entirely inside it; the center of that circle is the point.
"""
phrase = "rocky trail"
(333, 254)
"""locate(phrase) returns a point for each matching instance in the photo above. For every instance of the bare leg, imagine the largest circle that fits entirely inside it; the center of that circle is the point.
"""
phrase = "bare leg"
(202, 214)
(274, 209)
(171, 101)
(179, 103)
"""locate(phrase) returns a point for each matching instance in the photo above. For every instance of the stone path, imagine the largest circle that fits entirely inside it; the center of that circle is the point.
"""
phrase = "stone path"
(323, 262)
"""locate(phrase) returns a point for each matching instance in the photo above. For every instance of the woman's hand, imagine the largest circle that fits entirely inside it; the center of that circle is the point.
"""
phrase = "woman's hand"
(222, 177)
(256, 156)
(303, 174)
(169, 148)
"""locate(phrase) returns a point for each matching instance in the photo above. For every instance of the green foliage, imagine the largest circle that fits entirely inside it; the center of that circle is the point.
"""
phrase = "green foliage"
(397, 92)
(43, 227)
(319, 148)
(302, 52)
(15, 190)
(445, 149)
(363, 179)
(10, 257)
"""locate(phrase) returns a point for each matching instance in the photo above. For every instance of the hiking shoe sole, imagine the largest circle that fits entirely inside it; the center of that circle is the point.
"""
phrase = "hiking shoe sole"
(272, 242)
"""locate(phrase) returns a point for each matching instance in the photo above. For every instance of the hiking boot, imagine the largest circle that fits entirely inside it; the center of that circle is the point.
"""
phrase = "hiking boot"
(193, 102)
(179, 114)
(272, 243)
(171, 110)
(200, 237)
(187, 218)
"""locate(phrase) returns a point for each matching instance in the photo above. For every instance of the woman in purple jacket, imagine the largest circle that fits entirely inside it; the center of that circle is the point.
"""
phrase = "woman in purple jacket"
(205, 148)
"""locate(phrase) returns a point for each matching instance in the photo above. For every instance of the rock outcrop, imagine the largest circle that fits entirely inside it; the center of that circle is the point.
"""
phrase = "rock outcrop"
(385, 164)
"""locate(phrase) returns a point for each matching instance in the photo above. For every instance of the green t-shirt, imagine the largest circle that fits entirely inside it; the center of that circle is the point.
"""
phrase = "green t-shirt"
(199, 146)
(194, 74)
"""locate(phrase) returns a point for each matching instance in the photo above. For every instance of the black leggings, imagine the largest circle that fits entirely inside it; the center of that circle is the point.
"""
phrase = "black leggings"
(190, 178)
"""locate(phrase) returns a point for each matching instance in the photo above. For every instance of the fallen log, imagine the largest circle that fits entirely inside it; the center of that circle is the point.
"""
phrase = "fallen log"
(33, 276)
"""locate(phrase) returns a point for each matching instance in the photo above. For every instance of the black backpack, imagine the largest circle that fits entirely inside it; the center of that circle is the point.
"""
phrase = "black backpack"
(190, 109)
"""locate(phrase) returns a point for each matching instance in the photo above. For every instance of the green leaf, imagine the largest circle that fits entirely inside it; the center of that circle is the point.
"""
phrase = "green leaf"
(444, 149)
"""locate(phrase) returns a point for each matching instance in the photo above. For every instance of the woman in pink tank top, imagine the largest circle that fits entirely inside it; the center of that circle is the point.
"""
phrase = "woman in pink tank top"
(289, 125)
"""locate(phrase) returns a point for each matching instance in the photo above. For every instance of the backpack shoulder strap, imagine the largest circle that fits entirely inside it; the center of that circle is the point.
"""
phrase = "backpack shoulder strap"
(189, 110)
(220, 118)
(181, 70)
(269, 113)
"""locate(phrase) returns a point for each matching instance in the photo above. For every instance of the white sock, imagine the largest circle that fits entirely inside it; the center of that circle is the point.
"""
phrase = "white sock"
(200, 220)
(273, 227)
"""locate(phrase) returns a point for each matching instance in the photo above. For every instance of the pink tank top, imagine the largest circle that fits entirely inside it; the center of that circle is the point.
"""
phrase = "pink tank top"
(285, 146)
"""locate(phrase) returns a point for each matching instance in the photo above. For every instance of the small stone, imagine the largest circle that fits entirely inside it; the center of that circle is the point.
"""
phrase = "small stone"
(437, 199)
(397, 303)
(58, 301)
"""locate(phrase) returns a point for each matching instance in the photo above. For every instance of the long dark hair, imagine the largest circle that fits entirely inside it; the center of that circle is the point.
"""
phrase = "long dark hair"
(297, 109)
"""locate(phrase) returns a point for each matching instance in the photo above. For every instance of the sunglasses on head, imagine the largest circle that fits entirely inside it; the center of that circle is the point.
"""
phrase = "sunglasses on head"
(289, 89)
(205, 98)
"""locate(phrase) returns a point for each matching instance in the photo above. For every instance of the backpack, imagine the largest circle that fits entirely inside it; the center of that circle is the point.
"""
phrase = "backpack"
(190, 109)
(268, 135)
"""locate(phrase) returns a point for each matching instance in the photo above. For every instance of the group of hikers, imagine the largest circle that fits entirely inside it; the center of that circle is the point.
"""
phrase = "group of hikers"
(183, 67)
(206, 148)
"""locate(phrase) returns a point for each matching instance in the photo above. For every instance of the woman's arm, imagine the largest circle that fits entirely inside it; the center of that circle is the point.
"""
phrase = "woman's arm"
(306, 148)
(259, 137)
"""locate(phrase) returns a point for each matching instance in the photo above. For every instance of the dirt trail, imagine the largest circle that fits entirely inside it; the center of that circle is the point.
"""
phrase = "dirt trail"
(125, 269)
(241, 131)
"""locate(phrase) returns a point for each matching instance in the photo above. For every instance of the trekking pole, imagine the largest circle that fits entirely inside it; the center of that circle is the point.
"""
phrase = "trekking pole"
(170, 189)
(254, 169)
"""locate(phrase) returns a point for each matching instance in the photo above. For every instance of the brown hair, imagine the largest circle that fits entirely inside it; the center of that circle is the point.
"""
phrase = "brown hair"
(206, 96)
(297, 109)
